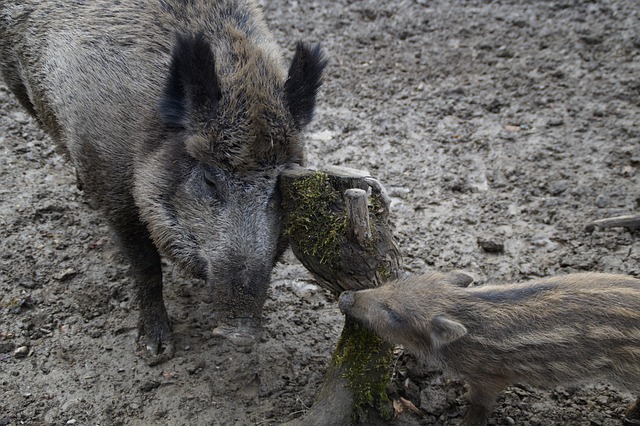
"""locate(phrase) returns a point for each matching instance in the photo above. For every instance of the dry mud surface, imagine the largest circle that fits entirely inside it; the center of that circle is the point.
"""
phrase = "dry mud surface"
(508, 124)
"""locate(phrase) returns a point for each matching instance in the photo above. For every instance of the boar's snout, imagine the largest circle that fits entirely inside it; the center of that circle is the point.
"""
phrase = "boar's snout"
(346, 301)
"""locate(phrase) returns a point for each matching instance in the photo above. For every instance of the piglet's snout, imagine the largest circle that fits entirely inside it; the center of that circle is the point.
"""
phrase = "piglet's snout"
(345, 302)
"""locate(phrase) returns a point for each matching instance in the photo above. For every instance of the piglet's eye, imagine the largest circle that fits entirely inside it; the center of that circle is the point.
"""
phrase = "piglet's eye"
(394, 316)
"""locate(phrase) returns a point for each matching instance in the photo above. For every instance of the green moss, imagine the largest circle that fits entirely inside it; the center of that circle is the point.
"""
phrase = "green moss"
(365, 359)
(313, 223)
(375, 205)
(383, 272)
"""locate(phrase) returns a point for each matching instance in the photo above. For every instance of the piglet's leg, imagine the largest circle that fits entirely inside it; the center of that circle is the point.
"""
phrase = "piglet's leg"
(632, 415)
(481, 397)
(477, 415)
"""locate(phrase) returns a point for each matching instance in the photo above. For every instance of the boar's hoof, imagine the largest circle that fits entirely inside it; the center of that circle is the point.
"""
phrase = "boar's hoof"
(240, 332)
(155, 342)
(632, 415)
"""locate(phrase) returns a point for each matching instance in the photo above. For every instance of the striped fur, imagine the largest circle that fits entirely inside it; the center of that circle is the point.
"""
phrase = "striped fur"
(563, 330)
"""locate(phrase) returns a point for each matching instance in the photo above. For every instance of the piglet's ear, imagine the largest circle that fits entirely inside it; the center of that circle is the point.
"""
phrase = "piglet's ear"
(305, 78)
(191, 91)
(460, 279)
(444, 331)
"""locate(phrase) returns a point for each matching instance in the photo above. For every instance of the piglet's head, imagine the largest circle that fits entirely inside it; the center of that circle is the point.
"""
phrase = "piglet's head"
(408, 312)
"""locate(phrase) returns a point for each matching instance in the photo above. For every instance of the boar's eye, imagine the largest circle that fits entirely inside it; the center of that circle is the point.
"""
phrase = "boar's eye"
(212, 182)
(209, 179)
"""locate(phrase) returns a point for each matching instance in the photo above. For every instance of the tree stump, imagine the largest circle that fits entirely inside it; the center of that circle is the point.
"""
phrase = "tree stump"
(337, 222)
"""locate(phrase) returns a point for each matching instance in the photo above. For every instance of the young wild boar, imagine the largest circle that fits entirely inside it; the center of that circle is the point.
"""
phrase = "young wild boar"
(553, 331)
(178, 116)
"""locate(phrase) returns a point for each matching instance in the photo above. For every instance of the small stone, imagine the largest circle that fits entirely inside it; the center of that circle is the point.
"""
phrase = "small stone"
(72, 422)
(21, 352)
(510, 420)
(26, 282)
(495, 106)
(491, 245)
(196, 367)
(65, 275)
(503, 52)
(602, 201)
(149, 386)
(17, 306)
(592, 39)
(558, 187)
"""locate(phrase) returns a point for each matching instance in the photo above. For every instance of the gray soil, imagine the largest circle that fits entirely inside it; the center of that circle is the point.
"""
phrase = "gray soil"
(501, 129)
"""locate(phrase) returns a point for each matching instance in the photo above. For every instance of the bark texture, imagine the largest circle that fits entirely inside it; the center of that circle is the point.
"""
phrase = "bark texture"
(337, 221)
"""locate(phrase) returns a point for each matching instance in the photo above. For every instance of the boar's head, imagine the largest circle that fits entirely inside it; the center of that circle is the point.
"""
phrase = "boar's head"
(228, 122)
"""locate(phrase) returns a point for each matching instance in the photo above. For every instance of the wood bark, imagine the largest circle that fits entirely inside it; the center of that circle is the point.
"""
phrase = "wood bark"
(337, 221)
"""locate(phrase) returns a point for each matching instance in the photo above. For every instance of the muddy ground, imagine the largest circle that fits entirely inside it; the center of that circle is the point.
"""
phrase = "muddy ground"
(503, 126)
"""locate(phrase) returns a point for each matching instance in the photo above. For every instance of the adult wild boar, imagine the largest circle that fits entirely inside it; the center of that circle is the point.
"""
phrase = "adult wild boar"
(178, 116)
(548, 332)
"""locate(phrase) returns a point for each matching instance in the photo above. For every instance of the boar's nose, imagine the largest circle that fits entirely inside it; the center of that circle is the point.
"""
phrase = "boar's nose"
(346, 301)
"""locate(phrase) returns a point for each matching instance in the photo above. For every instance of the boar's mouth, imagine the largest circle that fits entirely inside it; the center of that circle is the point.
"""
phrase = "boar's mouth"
(239, 289)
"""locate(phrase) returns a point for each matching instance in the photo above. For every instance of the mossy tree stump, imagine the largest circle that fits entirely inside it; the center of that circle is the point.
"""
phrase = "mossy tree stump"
(337, 221)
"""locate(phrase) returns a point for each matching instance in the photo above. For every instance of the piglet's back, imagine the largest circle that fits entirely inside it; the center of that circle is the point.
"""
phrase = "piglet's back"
(550, 331)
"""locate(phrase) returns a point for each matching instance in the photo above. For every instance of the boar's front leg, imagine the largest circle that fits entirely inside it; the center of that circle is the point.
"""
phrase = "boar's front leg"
(146, 271)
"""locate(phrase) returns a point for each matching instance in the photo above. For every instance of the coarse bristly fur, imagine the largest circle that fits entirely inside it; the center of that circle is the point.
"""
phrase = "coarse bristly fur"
(563, 330)
(178, 116)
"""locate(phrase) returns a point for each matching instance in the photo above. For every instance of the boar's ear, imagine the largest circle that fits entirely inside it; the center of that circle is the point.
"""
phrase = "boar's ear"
(191, 91)
(460, 279)
(444, 331)
(305, 78)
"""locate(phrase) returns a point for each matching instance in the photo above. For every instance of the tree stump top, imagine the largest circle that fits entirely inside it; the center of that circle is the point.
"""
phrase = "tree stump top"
(337, 221)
